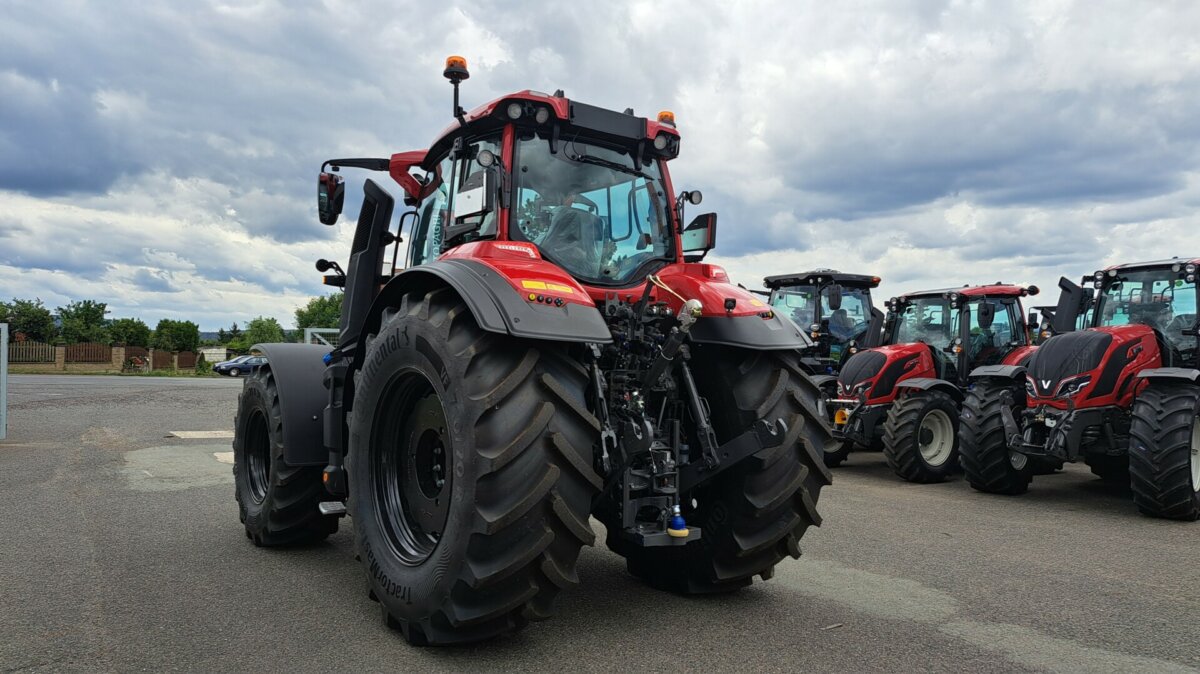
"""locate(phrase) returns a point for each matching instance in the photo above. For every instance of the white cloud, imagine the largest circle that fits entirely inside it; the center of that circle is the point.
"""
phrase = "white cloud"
(162, 158)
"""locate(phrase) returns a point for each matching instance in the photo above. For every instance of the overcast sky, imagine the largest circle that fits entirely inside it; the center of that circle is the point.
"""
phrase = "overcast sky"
(161, 157)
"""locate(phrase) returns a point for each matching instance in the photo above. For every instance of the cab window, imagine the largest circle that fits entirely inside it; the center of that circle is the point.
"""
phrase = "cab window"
(434, 213)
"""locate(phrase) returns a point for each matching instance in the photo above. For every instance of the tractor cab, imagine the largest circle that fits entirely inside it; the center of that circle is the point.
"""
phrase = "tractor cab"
(1159, 295)
(834, 307)
(963, 328)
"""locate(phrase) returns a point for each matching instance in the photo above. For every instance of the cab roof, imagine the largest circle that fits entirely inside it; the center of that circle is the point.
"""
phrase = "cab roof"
(807, 278)
(993, 290)
(575, 117)
(1155, 263)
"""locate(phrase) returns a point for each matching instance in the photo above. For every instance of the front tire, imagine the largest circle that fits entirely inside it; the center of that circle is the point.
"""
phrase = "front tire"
(277, 503)
(234, 372)
(983, 446)
(920, 436)
(752, 515)
(1164, 451)
(470, 465)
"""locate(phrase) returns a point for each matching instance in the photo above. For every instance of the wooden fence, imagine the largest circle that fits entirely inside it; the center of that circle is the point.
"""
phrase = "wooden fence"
(162, 360)
(136, 352)
(90, 352)
(30, 352)
(187, 360)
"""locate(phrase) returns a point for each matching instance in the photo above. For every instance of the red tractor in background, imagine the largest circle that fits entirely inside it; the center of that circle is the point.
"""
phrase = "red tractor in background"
(1122, 395)
(907, 393)
(555, 349)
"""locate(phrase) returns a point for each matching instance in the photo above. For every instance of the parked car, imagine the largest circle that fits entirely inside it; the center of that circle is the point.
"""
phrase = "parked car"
(239, 366)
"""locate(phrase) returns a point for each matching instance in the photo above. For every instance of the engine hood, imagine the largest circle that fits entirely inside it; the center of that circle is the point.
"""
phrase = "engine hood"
(1089, 365)
(882, 367)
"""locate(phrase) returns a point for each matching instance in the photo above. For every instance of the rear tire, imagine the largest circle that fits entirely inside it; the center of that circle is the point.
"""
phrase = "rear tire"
(920, 436)
(753, 515)
(470, 468)
(982, 445)
(1164, 451)
(277, 503)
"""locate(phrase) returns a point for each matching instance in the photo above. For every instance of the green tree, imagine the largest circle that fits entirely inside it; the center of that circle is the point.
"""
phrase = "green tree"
(129, 331)
(176, 335)
(32, 318)
(234, 331)
(320, 312)
(263, 330)
(84, 321)
(222, 336)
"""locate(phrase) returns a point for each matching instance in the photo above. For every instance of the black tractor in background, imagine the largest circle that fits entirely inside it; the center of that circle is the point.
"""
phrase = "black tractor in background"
(836, 311)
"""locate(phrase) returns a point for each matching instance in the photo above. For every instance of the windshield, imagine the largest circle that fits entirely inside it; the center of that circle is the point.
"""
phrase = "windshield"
(797, 303)
(844, 324)
(590, 211)
(927, 319)
(1155, 297)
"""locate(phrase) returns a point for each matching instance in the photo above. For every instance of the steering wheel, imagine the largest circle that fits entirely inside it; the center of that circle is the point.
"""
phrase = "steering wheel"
(1180, 323)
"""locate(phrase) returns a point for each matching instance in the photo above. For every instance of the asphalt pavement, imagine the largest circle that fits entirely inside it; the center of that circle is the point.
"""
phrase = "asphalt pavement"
(120, 549)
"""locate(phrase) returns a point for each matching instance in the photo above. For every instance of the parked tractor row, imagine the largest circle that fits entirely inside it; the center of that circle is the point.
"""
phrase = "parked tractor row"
(961, 380)
(554, 348)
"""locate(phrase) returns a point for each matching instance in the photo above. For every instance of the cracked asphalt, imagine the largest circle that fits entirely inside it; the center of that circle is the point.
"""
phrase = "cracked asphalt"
(121, 550)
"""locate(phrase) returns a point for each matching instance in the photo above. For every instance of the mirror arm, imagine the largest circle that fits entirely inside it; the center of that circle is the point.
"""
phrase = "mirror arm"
(371, 164)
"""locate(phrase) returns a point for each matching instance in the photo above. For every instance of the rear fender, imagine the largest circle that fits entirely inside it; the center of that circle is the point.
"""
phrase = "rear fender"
(1015, 372)
(298, 370)
(931, 384)
(1176, 374)
(496, 304)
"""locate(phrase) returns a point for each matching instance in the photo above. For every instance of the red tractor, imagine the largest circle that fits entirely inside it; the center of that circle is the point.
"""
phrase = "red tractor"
(1122, 395)
(554, 349)
(907, 393)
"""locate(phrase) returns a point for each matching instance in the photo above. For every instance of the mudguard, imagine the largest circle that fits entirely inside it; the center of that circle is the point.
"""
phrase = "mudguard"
(931, 384)
(496, 305)
(1001, 371)
(1171, 373)
(750, 332)
(298, 371)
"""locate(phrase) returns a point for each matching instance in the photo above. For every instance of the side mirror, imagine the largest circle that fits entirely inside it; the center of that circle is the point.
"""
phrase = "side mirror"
(835, 297)
(699, 237)
(331, 196)
(476, 196)
(1032, 320)
(987, 314)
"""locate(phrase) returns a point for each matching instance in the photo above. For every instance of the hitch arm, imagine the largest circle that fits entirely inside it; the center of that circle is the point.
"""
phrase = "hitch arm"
(763, 435)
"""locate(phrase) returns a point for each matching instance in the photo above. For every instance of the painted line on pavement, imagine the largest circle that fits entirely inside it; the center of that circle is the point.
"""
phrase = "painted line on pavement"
(207, 435)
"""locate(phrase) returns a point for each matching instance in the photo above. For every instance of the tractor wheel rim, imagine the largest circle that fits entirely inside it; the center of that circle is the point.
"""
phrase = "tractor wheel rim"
(413, 467)
(940, 430)
(1195, 457)
(258, 456)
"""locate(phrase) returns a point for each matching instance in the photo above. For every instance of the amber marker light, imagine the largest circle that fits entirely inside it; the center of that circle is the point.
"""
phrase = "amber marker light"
(666, 117)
